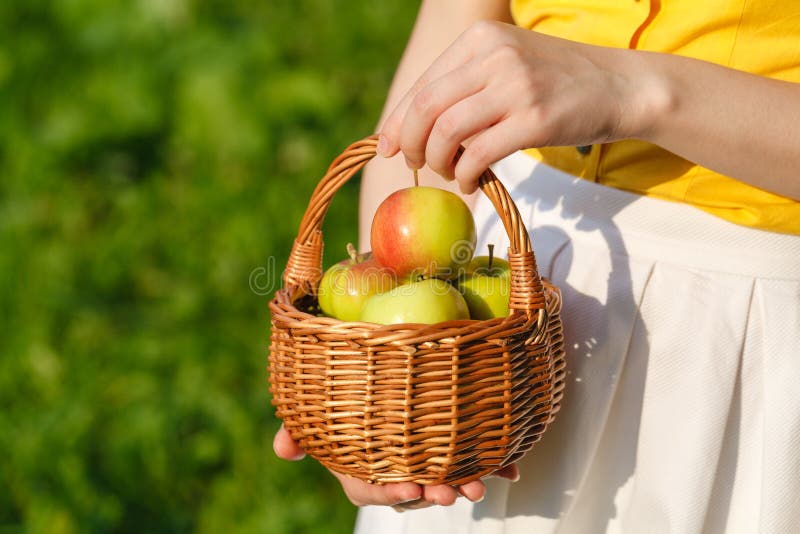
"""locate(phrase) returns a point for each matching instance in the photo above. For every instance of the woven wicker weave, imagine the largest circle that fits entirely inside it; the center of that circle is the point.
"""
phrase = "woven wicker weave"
(434, 404)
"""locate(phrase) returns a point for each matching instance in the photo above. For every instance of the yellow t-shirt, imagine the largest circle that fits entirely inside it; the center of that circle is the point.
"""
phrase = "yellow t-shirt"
(757, 36)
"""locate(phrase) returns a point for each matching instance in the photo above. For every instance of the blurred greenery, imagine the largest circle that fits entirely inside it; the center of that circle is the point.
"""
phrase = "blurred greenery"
(154, 154)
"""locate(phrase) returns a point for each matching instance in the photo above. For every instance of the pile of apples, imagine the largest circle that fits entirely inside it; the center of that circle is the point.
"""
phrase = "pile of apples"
(421, 268)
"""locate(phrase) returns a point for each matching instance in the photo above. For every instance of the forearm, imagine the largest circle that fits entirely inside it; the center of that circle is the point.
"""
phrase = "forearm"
(738, 124)
(438, 24)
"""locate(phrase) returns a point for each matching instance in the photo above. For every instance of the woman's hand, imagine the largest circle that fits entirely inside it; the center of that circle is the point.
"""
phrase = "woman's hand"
(360, 493)
(505, 88)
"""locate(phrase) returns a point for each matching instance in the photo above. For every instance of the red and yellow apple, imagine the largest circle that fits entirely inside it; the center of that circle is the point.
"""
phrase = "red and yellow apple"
(427, 301)
(346, 285)
(423, 231)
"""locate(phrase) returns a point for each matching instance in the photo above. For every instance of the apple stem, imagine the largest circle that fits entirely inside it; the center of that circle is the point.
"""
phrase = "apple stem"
(491, 256)
(352, 252)
(416, 177)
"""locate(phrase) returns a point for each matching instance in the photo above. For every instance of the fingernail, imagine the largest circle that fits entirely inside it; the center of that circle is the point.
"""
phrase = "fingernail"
(383, 146)
(411, 165)
(479, 499)
(409, 495)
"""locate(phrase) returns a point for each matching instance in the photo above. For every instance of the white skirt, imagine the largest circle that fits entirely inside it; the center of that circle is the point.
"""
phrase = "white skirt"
(681, 412)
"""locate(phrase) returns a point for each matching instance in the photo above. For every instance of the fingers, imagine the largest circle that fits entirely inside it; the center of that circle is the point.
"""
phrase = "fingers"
(453, 127)
(446, 113)
(486, 148)
(474, 491)
(431, 108)
(407, 495)
(460, 95)
(455, 56)
(285, 447)
(361, 494)
(444, 496)
(440, 494)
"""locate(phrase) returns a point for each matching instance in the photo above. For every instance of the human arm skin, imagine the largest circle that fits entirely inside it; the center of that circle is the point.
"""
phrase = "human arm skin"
(738, 124)
(438, 24)
(507, 88)
(360, 493)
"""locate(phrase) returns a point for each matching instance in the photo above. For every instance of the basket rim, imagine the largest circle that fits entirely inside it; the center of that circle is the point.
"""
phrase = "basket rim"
(283, 309)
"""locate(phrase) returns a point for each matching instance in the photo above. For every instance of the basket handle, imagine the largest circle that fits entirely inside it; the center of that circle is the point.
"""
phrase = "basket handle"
(304, 266)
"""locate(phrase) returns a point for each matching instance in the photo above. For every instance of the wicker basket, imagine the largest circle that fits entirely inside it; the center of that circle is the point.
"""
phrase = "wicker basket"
(433, 404)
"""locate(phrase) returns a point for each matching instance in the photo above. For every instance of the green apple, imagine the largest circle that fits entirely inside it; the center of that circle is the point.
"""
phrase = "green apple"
(427, 301)
(423, 230)
(486, 286)
(346, 285)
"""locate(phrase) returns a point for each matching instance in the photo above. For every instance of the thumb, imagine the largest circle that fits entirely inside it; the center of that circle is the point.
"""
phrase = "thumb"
(285, 447)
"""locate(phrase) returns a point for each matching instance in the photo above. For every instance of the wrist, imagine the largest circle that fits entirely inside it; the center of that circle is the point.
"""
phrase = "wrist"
(649, 98)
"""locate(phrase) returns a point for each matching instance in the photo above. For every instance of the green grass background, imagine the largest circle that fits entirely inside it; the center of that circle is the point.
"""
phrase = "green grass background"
(154, 154)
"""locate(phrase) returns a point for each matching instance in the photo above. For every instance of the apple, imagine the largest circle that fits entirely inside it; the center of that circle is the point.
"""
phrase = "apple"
(425, 231)
(346, 285)
(428, 301)
(486, 286)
